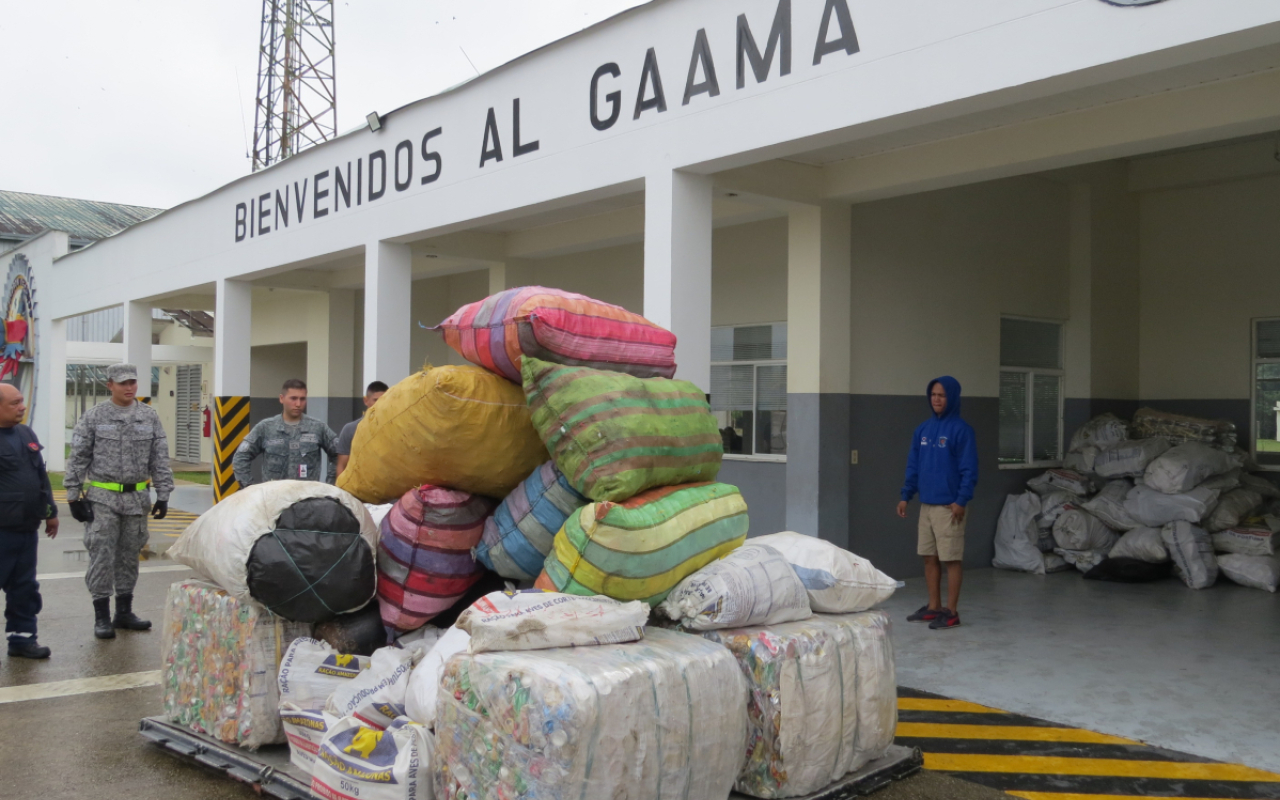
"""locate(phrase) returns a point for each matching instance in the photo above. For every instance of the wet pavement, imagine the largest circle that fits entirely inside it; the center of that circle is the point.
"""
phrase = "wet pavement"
(87, 745)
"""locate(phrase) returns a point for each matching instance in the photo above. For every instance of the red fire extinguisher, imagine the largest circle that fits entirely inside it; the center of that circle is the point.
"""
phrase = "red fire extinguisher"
(208, 423)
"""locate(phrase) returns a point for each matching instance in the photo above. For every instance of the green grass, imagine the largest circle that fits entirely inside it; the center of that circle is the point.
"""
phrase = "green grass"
(1268, 446)
(55, 478)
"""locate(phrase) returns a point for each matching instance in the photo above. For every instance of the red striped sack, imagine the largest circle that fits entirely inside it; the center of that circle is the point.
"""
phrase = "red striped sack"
(424, 554)
(560, 327)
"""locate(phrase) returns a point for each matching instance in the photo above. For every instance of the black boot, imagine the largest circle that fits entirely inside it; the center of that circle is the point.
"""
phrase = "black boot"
(125, 618)
(102, 619)
(27, 647)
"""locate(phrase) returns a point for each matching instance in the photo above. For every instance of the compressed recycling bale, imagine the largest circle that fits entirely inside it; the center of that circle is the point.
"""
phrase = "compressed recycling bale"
(810, 683)
(220, 661)
(303, 549)
(560, 327)
(518, 536)
(460, 427)
(640, 549)
(615, 435)
(425, 564)
(661, 718)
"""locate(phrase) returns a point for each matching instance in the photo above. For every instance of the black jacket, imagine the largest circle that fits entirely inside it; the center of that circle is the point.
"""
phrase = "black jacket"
(26, 498)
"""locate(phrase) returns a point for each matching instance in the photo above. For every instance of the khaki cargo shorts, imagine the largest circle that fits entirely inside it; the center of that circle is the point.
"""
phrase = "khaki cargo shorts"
(940, 535)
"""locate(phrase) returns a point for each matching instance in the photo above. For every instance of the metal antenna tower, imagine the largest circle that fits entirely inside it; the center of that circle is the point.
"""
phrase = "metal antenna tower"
(297, 103)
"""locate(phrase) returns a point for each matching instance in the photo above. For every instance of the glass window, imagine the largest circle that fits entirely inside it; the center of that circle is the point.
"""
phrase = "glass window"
(1030, 393)
(749, 388)
(1266, 393)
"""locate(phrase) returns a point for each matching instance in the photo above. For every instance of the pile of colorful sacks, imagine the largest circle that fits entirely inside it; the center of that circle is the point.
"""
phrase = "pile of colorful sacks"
(568, 465)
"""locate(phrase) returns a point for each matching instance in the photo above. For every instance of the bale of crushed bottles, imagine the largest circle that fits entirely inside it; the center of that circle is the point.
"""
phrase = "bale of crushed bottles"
(661, 718)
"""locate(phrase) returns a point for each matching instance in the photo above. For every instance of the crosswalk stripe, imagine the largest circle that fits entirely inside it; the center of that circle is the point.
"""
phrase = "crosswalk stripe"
(1076, 796)
(1019, 732)
(1053, 765)
(53, 576)
(105, 683)
(941, 704)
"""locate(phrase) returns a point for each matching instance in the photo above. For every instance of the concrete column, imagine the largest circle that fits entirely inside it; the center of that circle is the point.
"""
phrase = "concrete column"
(137, 343)
(48, 409)
(677, 267)
(331, 378)
(1078, 335)
(232, 339)
(818, 356)
(509, 274)
(388, 283)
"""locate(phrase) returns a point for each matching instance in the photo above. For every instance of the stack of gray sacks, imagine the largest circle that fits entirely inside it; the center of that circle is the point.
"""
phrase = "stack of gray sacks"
(1139, 500)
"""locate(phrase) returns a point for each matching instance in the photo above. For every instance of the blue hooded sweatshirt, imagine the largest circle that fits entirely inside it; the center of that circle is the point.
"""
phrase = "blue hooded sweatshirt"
(943, 465)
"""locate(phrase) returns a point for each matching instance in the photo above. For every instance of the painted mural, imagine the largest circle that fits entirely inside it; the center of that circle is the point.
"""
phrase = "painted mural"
(18, 356)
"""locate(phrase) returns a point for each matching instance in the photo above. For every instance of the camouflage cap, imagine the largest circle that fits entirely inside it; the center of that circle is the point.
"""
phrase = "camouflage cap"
(119, 373)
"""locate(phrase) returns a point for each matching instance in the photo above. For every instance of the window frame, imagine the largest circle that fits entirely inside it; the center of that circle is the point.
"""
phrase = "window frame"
(1254, 362)
(755, 365)
(1032, 372)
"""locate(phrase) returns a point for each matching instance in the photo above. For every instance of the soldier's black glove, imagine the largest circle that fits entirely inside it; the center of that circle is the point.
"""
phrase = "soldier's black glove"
(81, 511)
(160, 509)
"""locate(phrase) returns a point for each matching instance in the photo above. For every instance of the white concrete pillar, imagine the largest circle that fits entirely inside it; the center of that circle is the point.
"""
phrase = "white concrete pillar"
(331, 356)
(819, 275)
(509, 274)
(1078, 345)
(137, 343)
(388, 283)
(48, 409)
(677, 267)
(232, 337)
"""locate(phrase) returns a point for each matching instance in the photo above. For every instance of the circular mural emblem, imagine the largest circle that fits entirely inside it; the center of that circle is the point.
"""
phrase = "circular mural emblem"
(1132, 2)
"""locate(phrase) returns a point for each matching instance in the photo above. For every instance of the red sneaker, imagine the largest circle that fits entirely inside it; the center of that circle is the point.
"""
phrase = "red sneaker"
(947, 619)
(926, 614)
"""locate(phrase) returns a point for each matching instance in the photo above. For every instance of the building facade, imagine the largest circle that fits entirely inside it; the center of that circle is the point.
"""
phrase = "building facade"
(1065, 204)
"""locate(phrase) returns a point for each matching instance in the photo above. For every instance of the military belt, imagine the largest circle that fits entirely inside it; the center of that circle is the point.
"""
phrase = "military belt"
(121, 487)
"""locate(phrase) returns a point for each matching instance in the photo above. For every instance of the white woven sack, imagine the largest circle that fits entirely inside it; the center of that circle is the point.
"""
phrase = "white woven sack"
(753, 585)
(1155, 509)
(838, 582)
(1234, 506)
(1108, 505)
(1077, 529)
(1128, 459)
(1192, 554)
(1183, 468)
(1257, 572)
(1144, 544)
(1016, 535)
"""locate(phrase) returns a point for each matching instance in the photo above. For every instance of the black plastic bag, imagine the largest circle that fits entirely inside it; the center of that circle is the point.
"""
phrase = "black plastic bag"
(313, 563)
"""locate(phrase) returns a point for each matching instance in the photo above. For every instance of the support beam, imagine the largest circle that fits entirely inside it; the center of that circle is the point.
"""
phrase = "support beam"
(388, 271)
(509, 274)
(137, 344)
(50, 416)
(677, 267)
(818, 355)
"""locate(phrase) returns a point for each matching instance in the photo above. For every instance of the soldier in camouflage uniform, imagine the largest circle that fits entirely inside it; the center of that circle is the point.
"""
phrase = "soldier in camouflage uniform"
(118, 452)
(291, 443)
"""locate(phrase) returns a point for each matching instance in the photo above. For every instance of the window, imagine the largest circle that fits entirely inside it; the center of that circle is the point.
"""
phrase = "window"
(749, 388)
(1030, 393)
(1266, 393)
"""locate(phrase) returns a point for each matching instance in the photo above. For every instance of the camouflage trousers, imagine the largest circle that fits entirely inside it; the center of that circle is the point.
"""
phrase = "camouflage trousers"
(114, 541)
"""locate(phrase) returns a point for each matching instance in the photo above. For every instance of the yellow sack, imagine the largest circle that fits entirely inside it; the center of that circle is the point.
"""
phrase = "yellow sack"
(460, 427)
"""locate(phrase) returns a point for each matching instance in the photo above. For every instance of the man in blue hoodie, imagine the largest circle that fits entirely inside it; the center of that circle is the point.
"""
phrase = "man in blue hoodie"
(943, 468)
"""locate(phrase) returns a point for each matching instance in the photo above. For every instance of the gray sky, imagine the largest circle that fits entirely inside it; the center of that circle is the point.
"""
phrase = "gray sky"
(150, 102)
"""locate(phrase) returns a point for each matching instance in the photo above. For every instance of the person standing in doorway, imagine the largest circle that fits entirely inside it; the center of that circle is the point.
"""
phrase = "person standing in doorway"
(943, 468)
(26, 500)
(374, 391)
(118, 453)
(290, 443)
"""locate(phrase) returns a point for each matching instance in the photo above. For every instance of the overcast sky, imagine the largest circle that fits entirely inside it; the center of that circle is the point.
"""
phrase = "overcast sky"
(150, 102)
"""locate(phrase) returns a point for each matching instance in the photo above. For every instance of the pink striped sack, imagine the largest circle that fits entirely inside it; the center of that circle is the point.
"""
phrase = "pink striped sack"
(424, 555)
(560, 327)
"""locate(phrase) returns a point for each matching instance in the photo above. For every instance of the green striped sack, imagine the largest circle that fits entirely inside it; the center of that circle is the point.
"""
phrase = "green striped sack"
(614, 435)
(640, 549)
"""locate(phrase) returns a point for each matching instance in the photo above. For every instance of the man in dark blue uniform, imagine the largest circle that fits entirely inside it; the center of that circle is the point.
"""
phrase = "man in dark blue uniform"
(26, 500)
